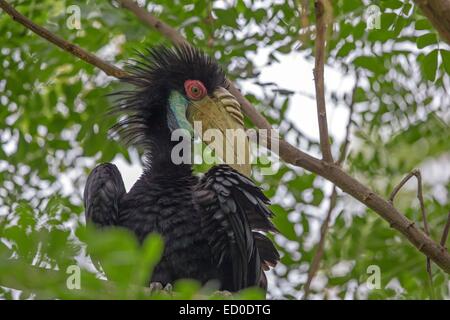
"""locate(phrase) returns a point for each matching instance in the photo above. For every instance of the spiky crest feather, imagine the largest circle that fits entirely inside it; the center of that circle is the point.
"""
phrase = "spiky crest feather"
(155, 74)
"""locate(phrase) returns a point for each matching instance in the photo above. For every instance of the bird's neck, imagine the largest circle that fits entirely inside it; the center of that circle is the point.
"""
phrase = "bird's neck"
(161, 160)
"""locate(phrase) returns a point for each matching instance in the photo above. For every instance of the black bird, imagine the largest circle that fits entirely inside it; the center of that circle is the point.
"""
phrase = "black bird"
(210, 224)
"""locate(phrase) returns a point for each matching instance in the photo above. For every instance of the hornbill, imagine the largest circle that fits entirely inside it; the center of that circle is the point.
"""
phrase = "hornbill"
(213, 225)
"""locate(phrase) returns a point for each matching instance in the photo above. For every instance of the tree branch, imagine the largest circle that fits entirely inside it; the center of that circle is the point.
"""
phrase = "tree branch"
(304, 20)
(321, 29)
(167, 31)
(315, 264)
(416, 173)
(346, 143)
(63, 44)
(445, 232)
(438, 12)
(329, 171)
(401, 184)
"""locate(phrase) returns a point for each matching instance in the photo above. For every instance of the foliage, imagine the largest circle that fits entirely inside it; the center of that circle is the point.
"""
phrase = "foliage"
(53, 130)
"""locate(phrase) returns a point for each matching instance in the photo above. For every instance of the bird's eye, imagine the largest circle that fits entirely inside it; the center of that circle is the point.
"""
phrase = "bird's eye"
(195, 89)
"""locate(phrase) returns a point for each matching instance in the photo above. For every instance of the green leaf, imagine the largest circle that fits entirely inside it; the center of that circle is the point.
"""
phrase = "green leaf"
(371, 63)
(346, 49)
(423, 24)
(359, 30)
(227, 17)
(186, 288)
(445, 55)
(348, 6)
(259, 15)
(387, 20)
(282, 222)
(429, 65)
(26, 215)
(360, 95)
(317, 197)
(251, 294)
(426, 40)
(392, 4)
(151, 252)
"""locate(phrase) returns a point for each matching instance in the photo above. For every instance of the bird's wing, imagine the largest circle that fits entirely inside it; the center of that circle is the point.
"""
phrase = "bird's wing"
(102, 193)
(233, 208)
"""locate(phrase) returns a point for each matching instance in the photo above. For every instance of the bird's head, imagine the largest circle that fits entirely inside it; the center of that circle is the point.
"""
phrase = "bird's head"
(173, 88)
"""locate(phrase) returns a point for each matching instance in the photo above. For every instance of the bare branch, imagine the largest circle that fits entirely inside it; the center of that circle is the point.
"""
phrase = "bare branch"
(445, 232)
(63, 44)
(329, 171)
(401, 184)
(321, 29)
(209, 21)
(416, 173)
(422, 205)
(315, 264)
(304, 21)
(346, 143)
(166, 30)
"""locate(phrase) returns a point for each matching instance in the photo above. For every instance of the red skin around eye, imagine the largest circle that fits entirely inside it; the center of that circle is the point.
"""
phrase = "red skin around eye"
(195, 90)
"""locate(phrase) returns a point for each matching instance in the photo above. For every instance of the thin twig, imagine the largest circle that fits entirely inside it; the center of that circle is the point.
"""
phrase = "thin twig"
(315, 264)
(351, 107)
(154, 22)
(304, 21)
(401, 184)
(321, 29)
(209, 21)
(416, 173)
(63, 44)
(445, 232)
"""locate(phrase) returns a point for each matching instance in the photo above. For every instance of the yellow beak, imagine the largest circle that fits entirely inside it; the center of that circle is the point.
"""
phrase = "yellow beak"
(222, 123)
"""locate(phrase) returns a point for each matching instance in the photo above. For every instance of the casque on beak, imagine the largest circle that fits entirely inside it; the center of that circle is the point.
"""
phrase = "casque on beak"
(223, 112)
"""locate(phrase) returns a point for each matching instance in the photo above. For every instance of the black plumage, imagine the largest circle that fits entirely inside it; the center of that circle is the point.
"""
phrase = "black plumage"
(211, 225)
